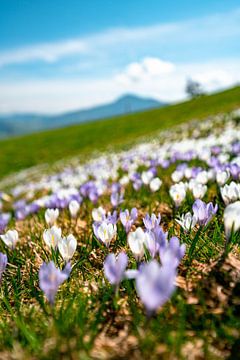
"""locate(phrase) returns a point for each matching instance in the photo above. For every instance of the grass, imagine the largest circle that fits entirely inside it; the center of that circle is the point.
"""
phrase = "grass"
(88, 321)
(50, 146)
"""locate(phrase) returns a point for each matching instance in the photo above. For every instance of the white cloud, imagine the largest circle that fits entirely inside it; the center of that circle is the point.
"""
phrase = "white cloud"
(148, 68)
(45, 52)
(54, 96)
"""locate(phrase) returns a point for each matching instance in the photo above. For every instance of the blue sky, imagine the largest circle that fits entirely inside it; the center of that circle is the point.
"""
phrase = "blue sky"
(60, 55)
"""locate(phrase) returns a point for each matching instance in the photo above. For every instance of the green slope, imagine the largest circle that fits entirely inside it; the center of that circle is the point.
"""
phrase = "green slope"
(49, 146)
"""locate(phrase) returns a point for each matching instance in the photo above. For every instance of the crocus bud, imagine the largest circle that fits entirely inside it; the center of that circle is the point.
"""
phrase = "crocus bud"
(67, 246)
(155, 184)
(136, 241)
(51, 216)
(74, 208)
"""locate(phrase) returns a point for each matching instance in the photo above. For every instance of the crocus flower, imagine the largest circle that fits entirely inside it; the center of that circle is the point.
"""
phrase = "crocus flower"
(199, 191)
(173, 253)
(187, 221)
(178, 193)
(147, 177)
(203, 212)
(222, 177)
(67, 246)
(155, 240)
(105, 232)
(10, 238)
(155, 184)
(230, 193)
(232, 218)
(3, 264)
(52, 236)
(127, 219)
(50, 278)
(136, 240)
(98, 214)
(155, 284)
(114, 267)
(51, 216)
(74, 207)
(116, 199)
(4, 220)
(151, 222)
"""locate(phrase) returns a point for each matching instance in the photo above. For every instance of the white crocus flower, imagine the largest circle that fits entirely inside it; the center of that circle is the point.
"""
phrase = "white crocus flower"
(177, 176)
(98, 214)
(136, 240)
(52, 236)
(67, 246)
(51, 216)
(222, 177)
(230, 193)
(147, 177)
(155, 184)
(106, 232)
(124, 180)
(10, 238)
(187, 221)
(74, 207)
(178, 193)
(202, 177)
(199, 191)
(232, 218)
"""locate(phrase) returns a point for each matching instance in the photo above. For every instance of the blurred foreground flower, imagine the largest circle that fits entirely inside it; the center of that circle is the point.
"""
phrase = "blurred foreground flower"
(50, 278)
(155, 284)
(114, 267)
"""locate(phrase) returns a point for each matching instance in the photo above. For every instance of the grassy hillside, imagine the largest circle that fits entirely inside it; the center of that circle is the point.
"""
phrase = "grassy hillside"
(49, 146)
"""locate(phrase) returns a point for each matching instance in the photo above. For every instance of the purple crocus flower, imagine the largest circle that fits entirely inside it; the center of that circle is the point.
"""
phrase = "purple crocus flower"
(114, 268)
(127, 219)
(4, 220)
(116, 199)
(3, 264)
(151, 222)
(173, 253)
(50, 278)
(116, 187)
(235, 171)
(156, 240)
(204, 212)
(155, 284)
(112, 218)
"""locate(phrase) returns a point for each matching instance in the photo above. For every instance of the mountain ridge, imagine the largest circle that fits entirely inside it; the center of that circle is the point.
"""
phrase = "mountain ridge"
(18, 124)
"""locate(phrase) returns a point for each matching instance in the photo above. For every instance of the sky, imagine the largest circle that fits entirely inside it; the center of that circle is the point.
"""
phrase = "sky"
(58, 56)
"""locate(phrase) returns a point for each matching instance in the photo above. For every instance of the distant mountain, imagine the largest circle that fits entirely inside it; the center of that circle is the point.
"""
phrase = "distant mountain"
(27, 123)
